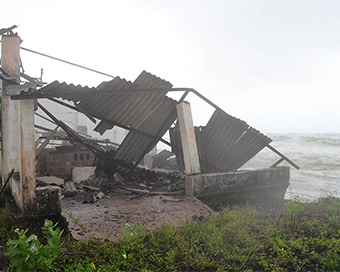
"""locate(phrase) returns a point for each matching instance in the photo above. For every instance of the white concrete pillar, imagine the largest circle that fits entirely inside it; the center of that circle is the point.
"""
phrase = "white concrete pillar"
(188, 138)
(27, 171)
(18, 145)
(10, 60)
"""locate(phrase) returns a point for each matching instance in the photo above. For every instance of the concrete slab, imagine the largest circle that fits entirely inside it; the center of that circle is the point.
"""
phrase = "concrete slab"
(264, 186)
(82, 172)
(50, 180)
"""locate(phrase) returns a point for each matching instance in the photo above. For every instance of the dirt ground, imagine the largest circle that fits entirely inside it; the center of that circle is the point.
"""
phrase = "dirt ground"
(104, 218)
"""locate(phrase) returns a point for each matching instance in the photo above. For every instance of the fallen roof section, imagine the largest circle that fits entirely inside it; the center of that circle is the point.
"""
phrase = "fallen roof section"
(224, 144)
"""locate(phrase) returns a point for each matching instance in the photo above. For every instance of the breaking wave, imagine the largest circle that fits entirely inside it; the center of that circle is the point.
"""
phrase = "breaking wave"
(318, 156)
(310, 152)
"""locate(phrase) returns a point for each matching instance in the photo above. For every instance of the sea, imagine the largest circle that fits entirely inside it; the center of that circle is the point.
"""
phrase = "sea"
(317, 155)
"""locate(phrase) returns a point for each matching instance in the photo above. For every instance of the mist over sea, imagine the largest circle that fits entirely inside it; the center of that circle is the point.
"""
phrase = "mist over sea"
(318, 156)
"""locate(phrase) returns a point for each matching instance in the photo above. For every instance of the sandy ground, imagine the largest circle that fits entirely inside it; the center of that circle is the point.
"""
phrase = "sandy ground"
(104, 218)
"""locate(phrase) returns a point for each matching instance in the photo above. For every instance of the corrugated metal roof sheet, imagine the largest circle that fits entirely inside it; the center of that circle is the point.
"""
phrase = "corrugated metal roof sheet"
(158, 112)
(148, 112)
(225, 143)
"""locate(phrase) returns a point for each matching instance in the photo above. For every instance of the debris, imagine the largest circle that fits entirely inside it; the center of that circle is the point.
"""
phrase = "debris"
(139, 191)
(169, 199)
(80, 173)
(145, 186)
(68, 193)
(165, 160)
(89, 198)
(69, 189)
(167, 193)
(51, 180)
(121, 191)
(113, 217)
(92, 188)
(118, 177)
(100, 195)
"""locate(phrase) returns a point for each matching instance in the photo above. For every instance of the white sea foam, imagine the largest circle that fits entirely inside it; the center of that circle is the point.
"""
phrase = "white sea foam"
(318, 156)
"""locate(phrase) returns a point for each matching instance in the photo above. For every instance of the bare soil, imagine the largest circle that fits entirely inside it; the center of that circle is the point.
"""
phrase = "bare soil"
(104, 218)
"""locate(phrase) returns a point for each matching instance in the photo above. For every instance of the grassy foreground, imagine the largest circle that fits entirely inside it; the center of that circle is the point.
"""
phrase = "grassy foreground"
(303, 237)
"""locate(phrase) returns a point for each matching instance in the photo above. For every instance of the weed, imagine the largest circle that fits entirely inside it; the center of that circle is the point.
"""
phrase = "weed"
(28, 254)
(294, 207)
(132, 236)
(6, 225)
(305, 238)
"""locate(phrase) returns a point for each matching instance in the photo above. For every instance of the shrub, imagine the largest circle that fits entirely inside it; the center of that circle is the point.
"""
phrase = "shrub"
(28, 254)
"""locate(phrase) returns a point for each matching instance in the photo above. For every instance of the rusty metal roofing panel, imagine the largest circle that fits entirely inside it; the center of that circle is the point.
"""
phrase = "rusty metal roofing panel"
(127, 109)
(225, 130)
(119, 102)
(161, 113)
(108, 101)
(176, 143)
(225, 144)
(231, 142)
(142, 106)
(70, 92)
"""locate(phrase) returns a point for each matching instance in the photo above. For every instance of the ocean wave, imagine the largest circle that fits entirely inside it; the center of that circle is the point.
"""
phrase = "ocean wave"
(311, 161)
(281, 137)
(322, 141)
(317, 155)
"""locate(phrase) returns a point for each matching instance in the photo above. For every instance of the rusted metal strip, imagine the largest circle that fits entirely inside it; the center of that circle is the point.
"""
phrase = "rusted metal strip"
(65, 61)
(96, 149)
(76, 108)
(43, 128)
(283, 156)
(45, 143)
(7, 180)
(43, 117)
(183, 96)
(7, 30)
(277, 163)
(92, 91)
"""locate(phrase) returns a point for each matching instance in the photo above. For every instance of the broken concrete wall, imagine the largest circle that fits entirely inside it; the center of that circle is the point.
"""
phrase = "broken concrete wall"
(60, 162)
(48, 200)
(82, 173)
(256, 186)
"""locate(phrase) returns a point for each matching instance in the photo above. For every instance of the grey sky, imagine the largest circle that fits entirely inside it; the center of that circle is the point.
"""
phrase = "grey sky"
(274, 64)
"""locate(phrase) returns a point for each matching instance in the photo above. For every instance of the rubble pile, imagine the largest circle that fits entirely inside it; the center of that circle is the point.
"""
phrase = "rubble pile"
(138, 183)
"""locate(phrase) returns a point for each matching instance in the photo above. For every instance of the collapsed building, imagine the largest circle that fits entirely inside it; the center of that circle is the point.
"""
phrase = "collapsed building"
(210, 155)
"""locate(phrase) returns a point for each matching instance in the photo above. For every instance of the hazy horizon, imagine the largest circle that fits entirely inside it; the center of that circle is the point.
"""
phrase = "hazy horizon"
(274, 64)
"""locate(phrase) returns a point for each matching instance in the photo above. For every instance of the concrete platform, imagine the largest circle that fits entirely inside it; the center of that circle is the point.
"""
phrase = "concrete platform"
(265, 187)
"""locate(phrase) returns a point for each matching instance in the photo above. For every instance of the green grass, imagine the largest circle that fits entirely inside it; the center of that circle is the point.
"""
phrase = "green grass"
(304, 237)
(6, 225)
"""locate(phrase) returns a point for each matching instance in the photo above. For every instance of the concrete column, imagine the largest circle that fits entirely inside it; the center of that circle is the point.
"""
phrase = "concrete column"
(10, 61)
(188, 138)
(27, 171)
(18, 146)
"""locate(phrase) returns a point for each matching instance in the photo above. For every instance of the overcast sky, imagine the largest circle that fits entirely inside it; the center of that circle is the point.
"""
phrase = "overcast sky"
(274, 64)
